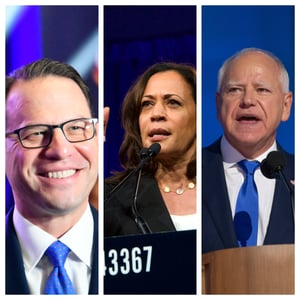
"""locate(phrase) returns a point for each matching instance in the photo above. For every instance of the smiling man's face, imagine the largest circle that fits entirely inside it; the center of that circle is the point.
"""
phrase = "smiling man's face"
(55, 180)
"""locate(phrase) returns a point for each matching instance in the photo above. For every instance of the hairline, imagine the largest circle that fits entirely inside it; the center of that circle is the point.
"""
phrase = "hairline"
(283, 76)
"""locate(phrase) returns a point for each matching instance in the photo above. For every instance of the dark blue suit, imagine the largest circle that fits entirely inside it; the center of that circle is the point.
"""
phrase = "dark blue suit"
(217, 225)
(15, 278)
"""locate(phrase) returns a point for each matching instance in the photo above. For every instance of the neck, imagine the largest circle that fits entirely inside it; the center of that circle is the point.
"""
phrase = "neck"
(57, 224)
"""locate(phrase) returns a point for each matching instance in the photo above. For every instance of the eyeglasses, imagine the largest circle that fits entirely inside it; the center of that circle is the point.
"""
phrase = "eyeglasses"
(40, 135)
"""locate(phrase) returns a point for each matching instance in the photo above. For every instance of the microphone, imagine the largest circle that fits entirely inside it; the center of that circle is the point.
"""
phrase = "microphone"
(272, 167)
(145, 155)
(138, 219)
(154, 149)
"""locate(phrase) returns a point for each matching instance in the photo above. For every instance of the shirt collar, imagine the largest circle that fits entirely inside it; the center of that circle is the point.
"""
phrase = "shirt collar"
(231, 156)
(34, 241)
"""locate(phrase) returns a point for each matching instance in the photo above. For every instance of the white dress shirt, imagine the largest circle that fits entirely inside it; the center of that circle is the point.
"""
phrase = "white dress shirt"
(235, 178)
(34, 241)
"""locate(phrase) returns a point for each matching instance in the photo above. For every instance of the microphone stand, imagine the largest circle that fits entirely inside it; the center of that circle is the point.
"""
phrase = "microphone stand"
(272, 167)
(144, 158)
(146, 154)
(291, 193)
(138, 219)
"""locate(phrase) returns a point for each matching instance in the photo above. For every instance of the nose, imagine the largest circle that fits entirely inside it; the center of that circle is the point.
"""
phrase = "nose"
(158, 112)
(59, 147)
(249, 97)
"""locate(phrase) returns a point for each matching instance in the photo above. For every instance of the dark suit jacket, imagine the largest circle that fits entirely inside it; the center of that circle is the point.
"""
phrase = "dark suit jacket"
(217, 225)
(15, 278)
(118, 217)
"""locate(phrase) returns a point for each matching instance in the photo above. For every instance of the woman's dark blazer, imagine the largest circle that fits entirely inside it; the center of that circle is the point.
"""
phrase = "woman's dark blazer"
(118, 216)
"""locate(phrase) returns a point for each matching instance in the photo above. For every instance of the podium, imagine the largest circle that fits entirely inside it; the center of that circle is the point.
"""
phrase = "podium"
(156, 263)
(249, 270)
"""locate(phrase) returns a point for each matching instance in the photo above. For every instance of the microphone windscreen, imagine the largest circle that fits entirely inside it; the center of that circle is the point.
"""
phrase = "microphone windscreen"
(154, 149)
(272, 164)
(143, 153)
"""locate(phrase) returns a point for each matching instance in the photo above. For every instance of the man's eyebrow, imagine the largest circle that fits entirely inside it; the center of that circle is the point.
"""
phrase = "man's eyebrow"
(230, 83)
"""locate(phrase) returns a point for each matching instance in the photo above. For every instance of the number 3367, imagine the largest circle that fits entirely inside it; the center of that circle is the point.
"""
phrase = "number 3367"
(125, 260)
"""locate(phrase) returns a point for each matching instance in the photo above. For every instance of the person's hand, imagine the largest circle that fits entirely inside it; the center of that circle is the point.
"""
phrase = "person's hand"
(106, 112)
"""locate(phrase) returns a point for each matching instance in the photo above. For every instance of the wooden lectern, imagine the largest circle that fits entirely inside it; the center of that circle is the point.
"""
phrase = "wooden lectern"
(249, 270)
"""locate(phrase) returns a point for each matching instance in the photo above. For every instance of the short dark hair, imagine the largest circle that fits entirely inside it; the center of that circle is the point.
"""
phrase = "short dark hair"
(45, 67)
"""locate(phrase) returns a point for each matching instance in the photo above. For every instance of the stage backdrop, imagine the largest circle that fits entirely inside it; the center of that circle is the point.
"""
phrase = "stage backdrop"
(228, 29)
(64, 33)
(136, 37)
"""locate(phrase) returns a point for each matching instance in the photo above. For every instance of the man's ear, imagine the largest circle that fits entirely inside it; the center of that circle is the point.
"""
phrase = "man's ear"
(287, 105)
(218, 104)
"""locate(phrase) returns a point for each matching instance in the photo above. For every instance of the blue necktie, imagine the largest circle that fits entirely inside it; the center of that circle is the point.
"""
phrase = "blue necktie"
(58, 281)
(246, 210)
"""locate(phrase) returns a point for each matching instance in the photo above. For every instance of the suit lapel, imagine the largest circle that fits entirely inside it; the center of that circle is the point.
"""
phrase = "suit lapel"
(95, 253)
(281, 225)
(215, 199)
(152, 206)
(16, 282)
(15, 278)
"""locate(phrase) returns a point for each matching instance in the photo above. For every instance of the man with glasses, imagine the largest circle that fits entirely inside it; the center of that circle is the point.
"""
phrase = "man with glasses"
(52, 166)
